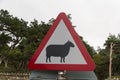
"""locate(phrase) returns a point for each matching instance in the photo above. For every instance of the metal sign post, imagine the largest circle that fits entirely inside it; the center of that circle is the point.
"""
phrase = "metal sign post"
(63, 75)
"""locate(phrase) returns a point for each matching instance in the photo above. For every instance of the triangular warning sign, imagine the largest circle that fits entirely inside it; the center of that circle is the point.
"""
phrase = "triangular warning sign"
(61, 49)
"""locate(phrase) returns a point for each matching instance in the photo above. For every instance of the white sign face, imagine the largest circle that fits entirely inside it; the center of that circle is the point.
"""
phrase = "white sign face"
(60, 36)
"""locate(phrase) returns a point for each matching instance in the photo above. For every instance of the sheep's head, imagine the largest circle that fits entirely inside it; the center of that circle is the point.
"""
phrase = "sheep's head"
(70, 44)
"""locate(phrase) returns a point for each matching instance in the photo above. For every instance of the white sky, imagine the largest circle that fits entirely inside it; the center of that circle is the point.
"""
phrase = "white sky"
(94, 19)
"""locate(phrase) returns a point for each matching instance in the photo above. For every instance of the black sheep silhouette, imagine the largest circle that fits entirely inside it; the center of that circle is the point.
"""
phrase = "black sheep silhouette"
(58, 51)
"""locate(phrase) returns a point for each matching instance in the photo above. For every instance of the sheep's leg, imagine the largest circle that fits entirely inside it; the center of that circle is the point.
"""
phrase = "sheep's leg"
(49, 59)
(46, 59)
(64, 59)
(61, 60)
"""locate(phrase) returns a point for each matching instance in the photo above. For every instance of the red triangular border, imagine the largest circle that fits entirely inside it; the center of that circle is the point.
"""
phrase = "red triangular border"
(90, 66)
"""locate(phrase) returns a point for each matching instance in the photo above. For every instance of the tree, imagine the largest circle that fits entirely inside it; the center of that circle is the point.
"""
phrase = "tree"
(4, 55)
(116, 52)
(102, 62)
(13, 27)
(12, 31)
(102, 68)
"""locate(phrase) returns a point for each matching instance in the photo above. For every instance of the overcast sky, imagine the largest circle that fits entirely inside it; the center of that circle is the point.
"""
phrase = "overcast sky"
(94, 19)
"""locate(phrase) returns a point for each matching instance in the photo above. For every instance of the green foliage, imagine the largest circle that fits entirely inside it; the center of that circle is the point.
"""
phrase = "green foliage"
(4, 51)
(101, 66)
(18, 40)
(4, 40)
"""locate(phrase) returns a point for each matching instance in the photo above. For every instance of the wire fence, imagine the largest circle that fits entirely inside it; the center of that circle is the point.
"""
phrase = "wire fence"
(14, 76)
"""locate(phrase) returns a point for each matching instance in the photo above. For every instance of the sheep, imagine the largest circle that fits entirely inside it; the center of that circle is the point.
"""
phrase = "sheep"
(58, 51)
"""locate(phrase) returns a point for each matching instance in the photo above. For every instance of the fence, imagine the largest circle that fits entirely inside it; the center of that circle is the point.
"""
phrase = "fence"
(14, 76)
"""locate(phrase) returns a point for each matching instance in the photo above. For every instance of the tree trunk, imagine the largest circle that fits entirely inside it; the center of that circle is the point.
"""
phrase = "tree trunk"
(0, 60)
(6, 63)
